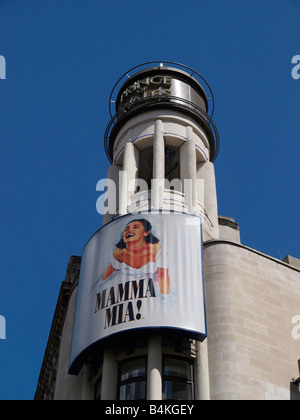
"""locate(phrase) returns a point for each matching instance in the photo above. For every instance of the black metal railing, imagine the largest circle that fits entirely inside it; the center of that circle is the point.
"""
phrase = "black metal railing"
(161, 101)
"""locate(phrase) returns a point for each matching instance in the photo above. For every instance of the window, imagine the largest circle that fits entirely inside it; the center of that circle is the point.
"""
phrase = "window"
(172, 167)
(177, 379)
(132, 380)
(146, 165)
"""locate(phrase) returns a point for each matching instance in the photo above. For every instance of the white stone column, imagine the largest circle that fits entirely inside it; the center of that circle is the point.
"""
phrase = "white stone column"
(111, 202)
(123, 195)
(87, 388)
(188, 169)
(154, 369)
(127, 175)
(206, 172)
(109, 376)
(157, 185)
(201, 369)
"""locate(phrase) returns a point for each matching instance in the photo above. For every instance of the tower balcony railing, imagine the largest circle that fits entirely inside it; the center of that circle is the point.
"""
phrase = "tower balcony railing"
(156, 102)
(172, 201)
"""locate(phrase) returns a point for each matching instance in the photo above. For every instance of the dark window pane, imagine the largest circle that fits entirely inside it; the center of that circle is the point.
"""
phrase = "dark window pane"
(133, 369)
(133, 391)
(172, 167)
(177, 390)
(146, 165)
(178, 368)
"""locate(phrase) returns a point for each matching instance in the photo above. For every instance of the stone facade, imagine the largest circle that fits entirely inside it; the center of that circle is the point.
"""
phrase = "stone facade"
(251, 299)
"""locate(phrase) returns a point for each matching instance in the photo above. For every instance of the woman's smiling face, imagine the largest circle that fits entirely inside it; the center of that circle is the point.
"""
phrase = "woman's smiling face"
(134, 232)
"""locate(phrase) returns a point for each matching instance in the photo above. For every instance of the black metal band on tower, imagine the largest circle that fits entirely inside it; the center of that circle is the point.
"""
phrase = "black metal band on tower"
(162, 87)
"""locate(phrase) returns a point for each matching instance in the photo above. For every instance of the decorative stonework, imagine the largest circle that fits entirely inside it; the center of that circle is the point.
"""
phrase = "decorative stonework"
(47, 378)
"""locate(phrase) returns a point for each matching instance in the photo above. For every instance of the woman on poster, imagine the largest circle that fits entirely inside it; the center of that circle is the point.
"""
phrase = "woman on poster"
(138, 253)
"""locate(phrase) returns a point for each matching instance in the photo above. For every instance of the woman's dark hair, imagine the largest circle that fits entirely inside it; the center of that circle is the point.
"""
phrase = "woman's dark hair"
(149, 239)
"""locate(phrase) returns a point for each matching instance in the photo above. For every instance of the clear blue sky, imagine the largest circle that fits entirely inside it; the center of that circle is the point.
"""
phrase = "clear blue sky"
(63, 58)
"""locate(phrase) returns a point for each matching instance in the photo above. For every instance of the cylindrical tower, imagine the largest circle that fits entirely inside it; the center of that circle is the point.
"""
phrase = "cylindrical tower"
(163, 138)
(140, 319)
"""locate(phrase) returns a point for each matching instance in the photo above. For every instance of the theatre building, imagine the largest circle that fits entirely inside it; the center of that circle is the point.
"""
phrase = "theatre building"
(165, 302)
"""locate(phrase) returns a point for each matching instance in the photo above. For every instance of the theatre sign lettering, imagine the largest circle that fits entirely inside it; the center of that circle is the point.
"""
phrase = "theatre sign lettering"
(149, 86)
(171, 87)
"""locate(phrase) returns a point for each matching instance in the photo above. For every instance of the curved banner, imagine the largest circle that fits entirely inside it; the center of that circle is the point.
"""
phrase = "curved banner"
(140, 271)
